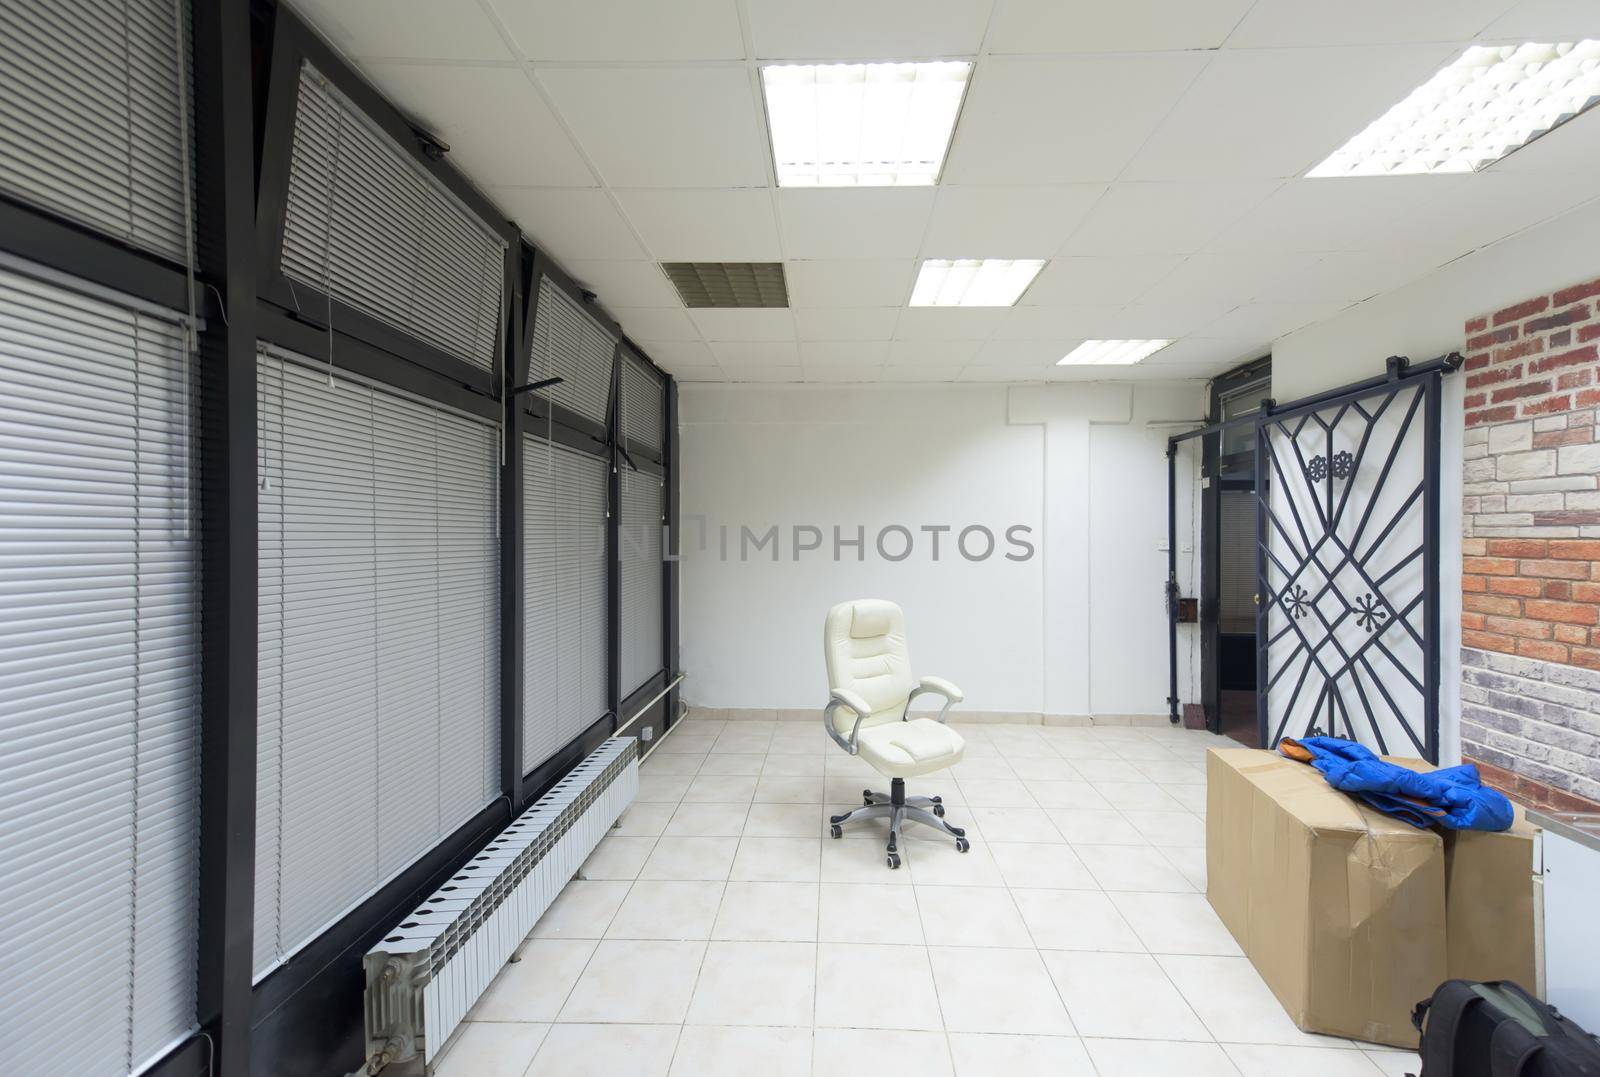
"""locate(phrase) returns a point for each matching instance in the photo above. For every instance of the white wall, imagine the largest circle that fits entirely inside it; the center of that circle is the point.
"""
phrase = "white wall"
(1078, 628)
(1423, 320)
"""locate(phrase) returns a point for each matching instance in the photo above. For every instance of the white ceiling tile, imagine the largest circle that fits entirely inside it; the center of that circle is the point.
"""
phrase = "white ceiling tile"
(1272, 320)
(844, 353)
(1277, 112)
(1166, 318)
(881, 30)
(1194, 350)
(1294, 23)
(573, 225)
(1226, 280)
(1001, 374)
(849, 282)
(1164, 218)
(933, 353)
(703, 374)
(1006, 222)
(1353, 275)
(1547, 20)
(1474, 210)
(881, 222)
(823, 373)
(1048, 323)
(740, 354)
(1124, 26)
(406, 29)
(624, 29)
(471, 108)
(1035, 353)
(949, 323)
(663, 126)
(625, 284)
(656, 324)
(846, 323)
(919, 374)
(675, 355)
(1001, 137)
(1325, 214)
(704, 226)
(786, 373)
(717, 323)
(1102, 281)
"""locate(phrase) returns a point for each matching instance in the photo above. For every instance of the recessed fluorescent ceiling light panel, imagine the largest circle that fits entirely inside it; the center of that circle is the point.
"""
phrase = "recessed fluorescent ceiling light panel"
(973, 282)
(728, 284)
(862, 125)
(1490, 101)
(1111, 352)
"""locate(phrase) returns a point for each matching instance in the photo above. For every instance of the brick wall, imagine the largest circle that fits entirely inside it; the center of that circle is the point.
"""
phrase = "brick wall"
(1530, 620)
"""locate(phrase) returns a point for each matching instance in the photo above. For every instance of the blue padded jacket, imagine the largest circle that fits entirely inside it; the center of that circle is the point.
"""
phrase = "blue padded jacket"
(1453, 797)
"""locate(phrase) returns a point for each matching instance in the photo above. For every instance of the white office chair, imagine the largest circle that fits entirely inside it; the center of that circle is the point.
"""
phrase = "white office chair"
(870, 692)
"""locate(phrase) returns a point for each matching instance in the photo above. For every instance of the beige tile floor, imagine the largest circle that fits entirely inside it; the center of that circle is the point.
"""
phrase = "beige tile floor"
(718, 930)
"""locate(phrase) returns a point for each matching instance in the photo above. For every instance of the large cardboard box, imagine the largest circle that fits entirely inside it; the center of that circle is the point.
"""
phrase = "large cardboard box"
(1339, 907)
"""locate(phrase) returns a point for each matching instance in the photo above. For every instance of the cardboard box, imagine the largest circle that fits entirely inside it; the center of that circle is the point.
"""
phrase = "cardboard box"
(1488, 897)
(1339, 907)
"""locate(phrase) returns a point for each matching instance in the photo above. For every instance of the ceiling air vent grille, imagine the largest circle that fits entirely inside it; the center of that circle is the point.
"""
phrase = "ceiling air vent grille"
(729, 284)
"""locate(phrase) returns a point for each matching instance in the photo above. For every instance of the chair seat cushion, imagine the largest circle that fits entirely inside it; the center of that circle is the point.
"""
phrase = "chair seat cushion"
(906, 749)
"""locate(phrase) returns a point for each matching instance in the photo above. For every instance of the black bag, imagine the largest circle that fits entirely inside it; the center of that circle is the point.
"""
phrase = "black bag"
(1499, 1030)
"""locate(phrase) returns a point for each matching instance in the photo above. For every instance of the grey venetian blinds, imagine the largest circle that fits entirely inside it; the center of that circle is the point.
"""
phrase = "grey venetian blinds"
(378, 693)
(1238, 562)
(643, 414)
(99, 682)
(643, 512)
(570, 345)
(94, 113)
(366, 224)
(564, 596)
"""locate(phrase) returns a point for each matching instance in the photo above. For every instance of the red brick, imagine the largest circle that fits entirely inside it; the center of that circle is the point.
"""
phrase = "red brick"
(1515, 585)
(1497, 604)
(1548, 405)
(1474, 547)
(1575, 357)
(1489, 566)
(1575, 379)
(1572, 634)
(1559, 590)
(1474, 621)
(1575, 549)
(1589, 398)
(1491, 415)
(1586, 592)
(1494, 376)
(1582, 418)
(1488, 641)
(1588, 333)
(1474, 585)
(1580, 435)
(1577, 292)
(1572, 613)
(1488, 340)
(1518, 547)
(1522, 310)
(1579, 313)
(1479, 360)
(1477, 325)
(1588, 657)
(1545, 652)
(1554, 570)
(1521, 348)
(1517, 392)
(1475, 400)
(1521, 627)
(1566, 518)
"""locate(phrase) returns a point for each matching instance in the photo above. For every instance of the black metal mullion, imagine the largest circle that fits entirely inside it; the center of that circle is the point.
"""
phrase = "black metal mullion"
(225, 187)
(1430, 579)
(614, 544)
(512, 599)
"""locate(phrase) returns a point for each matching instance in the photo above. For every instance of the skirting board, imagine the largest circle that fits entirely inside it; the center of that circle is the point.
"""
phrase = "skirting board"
(959, 715)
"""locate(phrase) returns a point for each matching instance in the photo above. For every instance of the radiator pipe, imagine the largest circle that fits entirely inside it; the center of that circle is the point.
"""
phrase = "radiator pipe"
(653, 701)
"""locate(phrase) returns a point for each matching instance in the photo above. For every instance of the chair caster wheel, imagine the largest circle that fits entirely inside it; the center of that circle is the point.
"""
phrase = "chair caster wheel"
(962, 845)
(959, 831)
(938, 809)
(866, 798)
(836, 830)
(893, 861)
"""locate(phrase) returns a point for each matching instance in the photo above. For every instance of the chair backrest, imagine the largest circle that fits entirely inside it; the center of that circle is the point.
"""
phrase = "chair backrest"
(864, 643)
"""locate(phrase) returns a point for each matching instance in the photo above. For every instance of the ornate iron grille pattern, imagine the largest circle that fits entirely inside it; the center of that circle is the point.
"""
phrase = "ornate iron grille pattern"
(1347, 558)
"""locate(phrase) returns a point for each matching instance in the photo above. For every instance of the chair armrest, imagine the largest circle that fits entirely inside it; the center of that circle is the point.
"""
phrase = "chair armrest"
(843, 697)
(951, 694)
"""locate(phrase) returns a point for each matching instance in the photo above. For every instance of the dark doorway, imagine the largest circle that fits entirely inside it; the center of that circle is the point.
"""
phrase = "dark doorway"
(1228, 556)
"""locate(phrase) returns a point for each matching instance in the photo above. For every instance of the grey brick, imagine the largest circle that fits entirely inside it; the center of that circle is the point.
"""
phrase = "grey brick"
(1585, 501)
(1483, 488)
(1481, 470)
(1535, 502)
(1491, 719)
(1579, 459)
(1559, 482)
(1547, 423)
(1530, 465)
(1476, 435)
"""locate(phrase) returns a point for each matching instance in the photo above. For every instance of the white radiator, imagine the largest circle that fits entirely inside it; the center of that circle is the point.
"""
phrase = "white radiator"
(426, 974)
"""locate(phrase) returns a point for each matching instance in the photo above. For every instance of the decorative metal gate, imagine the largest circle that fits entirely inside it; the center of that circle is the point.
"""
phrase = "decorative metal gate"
(1347, 557)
